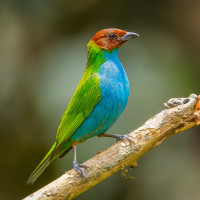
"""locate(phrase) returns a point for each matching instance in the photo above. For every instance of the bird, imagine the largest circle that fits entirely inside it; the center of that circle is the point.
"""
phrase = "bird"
(99, 100)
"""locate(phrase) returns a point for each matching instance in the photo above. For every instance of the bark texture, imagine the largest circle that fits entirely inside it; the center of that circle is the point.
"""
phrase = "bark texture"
(181, 114)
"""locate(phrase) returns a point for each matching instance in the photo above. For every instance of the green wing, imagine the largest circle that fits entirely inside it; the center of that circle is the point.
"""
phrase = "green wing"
(86, 96)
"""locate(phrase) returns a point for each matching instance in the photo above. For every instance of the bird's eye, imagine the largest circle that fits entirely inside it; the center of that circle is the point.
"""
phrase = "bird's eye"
(112, 36)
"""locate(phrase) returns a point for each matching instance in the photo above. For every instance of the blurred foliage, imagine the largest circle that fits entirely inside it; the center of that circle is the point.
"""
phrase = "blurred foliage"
(42, 58)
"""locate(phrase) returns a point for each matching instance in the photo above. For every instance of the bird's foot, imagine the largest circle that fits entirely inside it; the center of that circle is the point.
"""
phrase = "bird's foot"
(123, 137)
(117, 137)
(77, 167)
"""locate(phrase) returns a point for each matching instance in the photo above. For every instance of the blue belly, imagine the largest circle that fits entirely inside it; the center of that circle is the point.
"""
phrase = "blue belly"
(114, 87)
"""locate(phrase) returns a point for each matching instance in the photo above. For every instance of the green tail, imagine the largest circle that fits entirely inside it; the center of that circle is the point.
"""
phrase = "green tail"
(42, 166)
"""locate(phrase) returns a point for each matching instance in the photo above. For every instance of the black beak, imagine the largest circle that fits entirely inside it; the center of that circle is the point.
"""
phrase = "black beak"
(128, 36)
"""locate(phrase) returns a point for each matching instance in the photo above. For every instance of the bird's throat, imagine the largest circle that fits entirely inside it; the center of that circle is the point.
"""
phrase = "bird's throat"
(97, 56)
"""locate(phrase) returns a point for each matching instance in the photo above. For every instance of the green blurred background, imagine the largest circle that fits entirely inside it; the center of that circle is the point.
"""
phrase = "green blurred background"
(42, 58)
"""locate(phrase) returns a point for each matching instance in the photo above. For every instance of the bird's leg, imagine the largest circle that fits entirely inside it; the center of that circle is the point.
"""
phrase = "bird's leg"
(77, 166)
(116, 136)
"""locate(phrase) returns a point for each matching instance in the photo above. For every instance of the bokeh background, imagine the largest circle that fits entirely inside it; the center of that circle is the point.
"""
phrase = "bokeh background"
(42, 58)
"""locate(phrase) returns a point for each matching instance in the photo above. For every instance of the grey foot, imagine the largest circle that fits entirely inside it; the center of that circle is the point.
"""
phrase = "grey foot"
(123, 137)
(77, 167)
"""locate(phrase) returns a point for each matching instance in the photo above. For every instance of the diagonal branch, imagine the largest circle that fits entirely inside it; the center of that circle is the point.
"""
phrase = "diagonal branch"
(182, 113)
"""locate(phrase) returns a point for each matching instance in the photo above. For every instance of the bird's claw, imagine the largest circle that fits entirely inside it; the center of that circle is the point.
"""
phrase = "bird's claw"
(124, 137)
(83, 166)
(77, 167)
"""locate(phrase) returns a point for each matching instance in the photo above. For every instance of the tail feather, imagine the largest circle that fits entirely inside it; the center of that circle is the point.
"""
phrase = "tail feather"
(42, 166)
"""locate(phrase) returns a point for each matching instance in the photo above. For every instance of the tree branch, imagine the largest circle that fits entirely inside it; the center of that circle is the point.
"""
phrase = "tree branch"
(182, 113)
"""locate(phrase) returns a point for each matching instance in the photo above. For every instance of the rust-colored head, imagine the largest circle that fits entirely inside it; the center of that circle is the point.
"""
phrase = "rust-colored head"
(112, 38)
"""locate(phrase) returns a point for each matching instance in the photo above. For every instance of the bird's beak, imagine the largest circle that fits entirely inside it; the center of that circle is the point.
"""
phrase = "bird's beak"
(128, 36)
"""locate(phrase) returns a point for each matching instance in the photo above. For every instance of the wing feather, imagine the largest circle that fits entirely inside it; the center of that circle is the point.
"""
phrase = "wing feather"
(86, 96)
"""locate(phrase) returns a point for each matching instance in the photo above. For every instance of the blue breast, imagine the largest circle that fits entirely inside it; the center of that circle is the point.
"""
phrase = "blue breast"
(114, 87)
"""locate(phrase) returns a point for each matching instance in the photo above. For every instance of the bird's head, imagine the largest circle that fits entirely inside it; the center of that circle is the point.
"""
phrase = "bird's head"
(111, 38)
